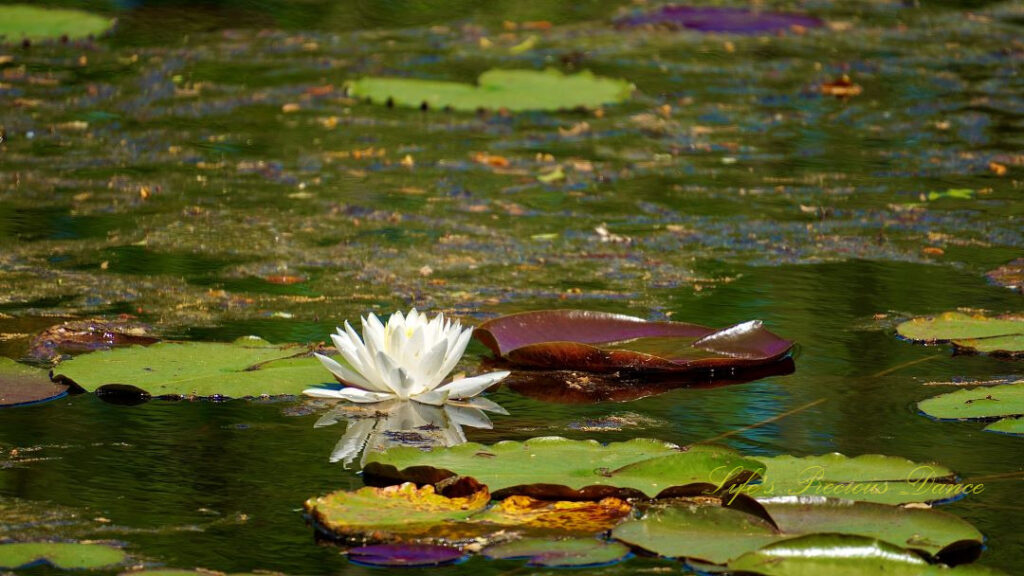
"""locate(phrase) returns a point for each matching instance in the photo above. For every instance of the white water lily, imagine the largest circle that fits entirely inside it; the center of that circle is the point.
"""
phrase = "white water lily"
(406, 359)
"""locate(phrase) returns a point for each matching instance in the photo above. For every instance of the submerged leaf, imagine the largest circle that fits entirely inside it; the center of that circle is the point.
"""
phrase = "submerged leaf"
(392, 512)
(590, 341)
(244, 368)
(558, 468)
(513, 90)
(64, 555)
(408, 555)
(561, 553)
(21, 385)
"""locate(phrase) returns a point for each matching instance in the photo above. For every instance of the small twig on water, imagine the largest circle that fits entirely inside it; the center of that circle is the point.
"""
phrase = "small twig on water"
(905, 364)
(763, 422)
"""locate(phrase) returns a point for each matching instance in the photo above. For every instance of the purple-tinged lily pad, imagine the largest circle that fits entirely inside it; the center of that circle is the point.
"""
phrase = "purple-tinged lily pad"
(600, 342)
(21, 385)
(407, 555)
(720, 19)
(562, 553)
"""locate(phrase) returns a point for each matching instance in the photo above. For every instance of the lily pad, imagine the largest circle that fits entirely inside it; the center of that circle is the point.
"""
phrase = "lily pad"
(600, 342)
(589, 517)
(562, 553)
(513, 90)
(983, 402)
(392, 512)
(558, 468)
(707, 533)
(244, 368)
(1014, 426)
(21, 385)
(720, 19)
(88, 336)
(999, 335)
(19, 21)
(63, 555)
(843, 555)
(407, 555)
(867, 478)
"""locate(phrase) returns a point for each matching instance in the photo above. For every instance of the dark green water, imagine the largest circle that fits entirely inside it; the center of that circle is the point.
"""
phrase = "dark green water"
(161, 177)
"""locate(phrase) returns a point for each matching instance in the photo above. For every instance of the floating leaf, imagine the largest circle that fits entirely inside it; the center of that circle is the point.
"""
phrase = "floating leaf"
(558, 468)
(19, 21)
(983, 402)
(391, 512)
(244, 368)
(842, 555)
(64, 555)
(514, 90)
(561, 553)
(409, 555)
(954, 193)
(21, 385)
(1000, 335)
(709, 533)
(560, 515)
(600, 342)
(868, 478)
(1013, 426)
(718, 19)
(933, 532)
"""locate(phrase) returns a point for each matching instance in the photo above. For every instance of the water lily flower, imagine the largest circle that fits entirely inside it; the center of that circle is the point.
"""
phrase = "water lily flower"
(406, 359)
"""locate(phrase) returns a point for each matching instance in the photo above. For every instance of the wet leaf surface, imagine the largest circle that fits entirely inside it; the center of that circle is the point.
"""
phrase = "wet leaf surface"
(245, 368)
(404, 555)
(593, 517)
(561, 553)
(514, 90)
(1014, 426)
(395, 512)
(62, 555)
(21, 384)
(599, 342)
(87, 336)
(558, 468)
(844, 556)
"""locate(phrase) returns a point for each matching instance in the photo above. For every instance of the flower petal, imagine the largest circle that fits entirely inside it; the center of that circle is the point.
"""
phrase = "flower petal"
(455, 351)
(363, 396)
(481, 403)
(432, 397)
(468, 387)
(347, 376)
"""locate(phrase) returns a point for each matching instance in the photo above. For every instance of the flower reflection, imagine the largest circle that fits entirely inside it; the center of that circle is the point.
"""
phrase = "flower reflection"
(377, 427)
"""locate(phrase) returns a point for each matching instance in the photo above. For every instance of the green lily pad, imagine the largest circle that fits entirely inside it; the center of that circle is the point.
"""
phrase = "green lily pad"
(514, 90)
(392, 512)
(931, 531)
(983, 402)
(999, 335)
(707, 533)
(954, 193)
(19, 21)
(563, 553)
(65, 555)
(244, 368)
(21, 385)
(1013, 426)
(843, 555)
(868, 478)
(558, 468)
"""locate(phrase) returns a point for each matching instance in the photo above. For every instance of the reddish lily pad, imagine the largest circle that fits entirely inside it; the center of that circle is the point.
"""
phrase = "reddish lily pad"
(21, 385)
(88, 336)
(566, 553)
(600, 342)
(404, 555)
(589, 517)
(720, 19)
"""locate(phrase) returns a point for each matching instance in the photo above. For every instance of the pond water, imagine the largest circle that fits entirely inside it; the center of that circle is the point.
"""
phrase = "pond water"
(203, 170)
